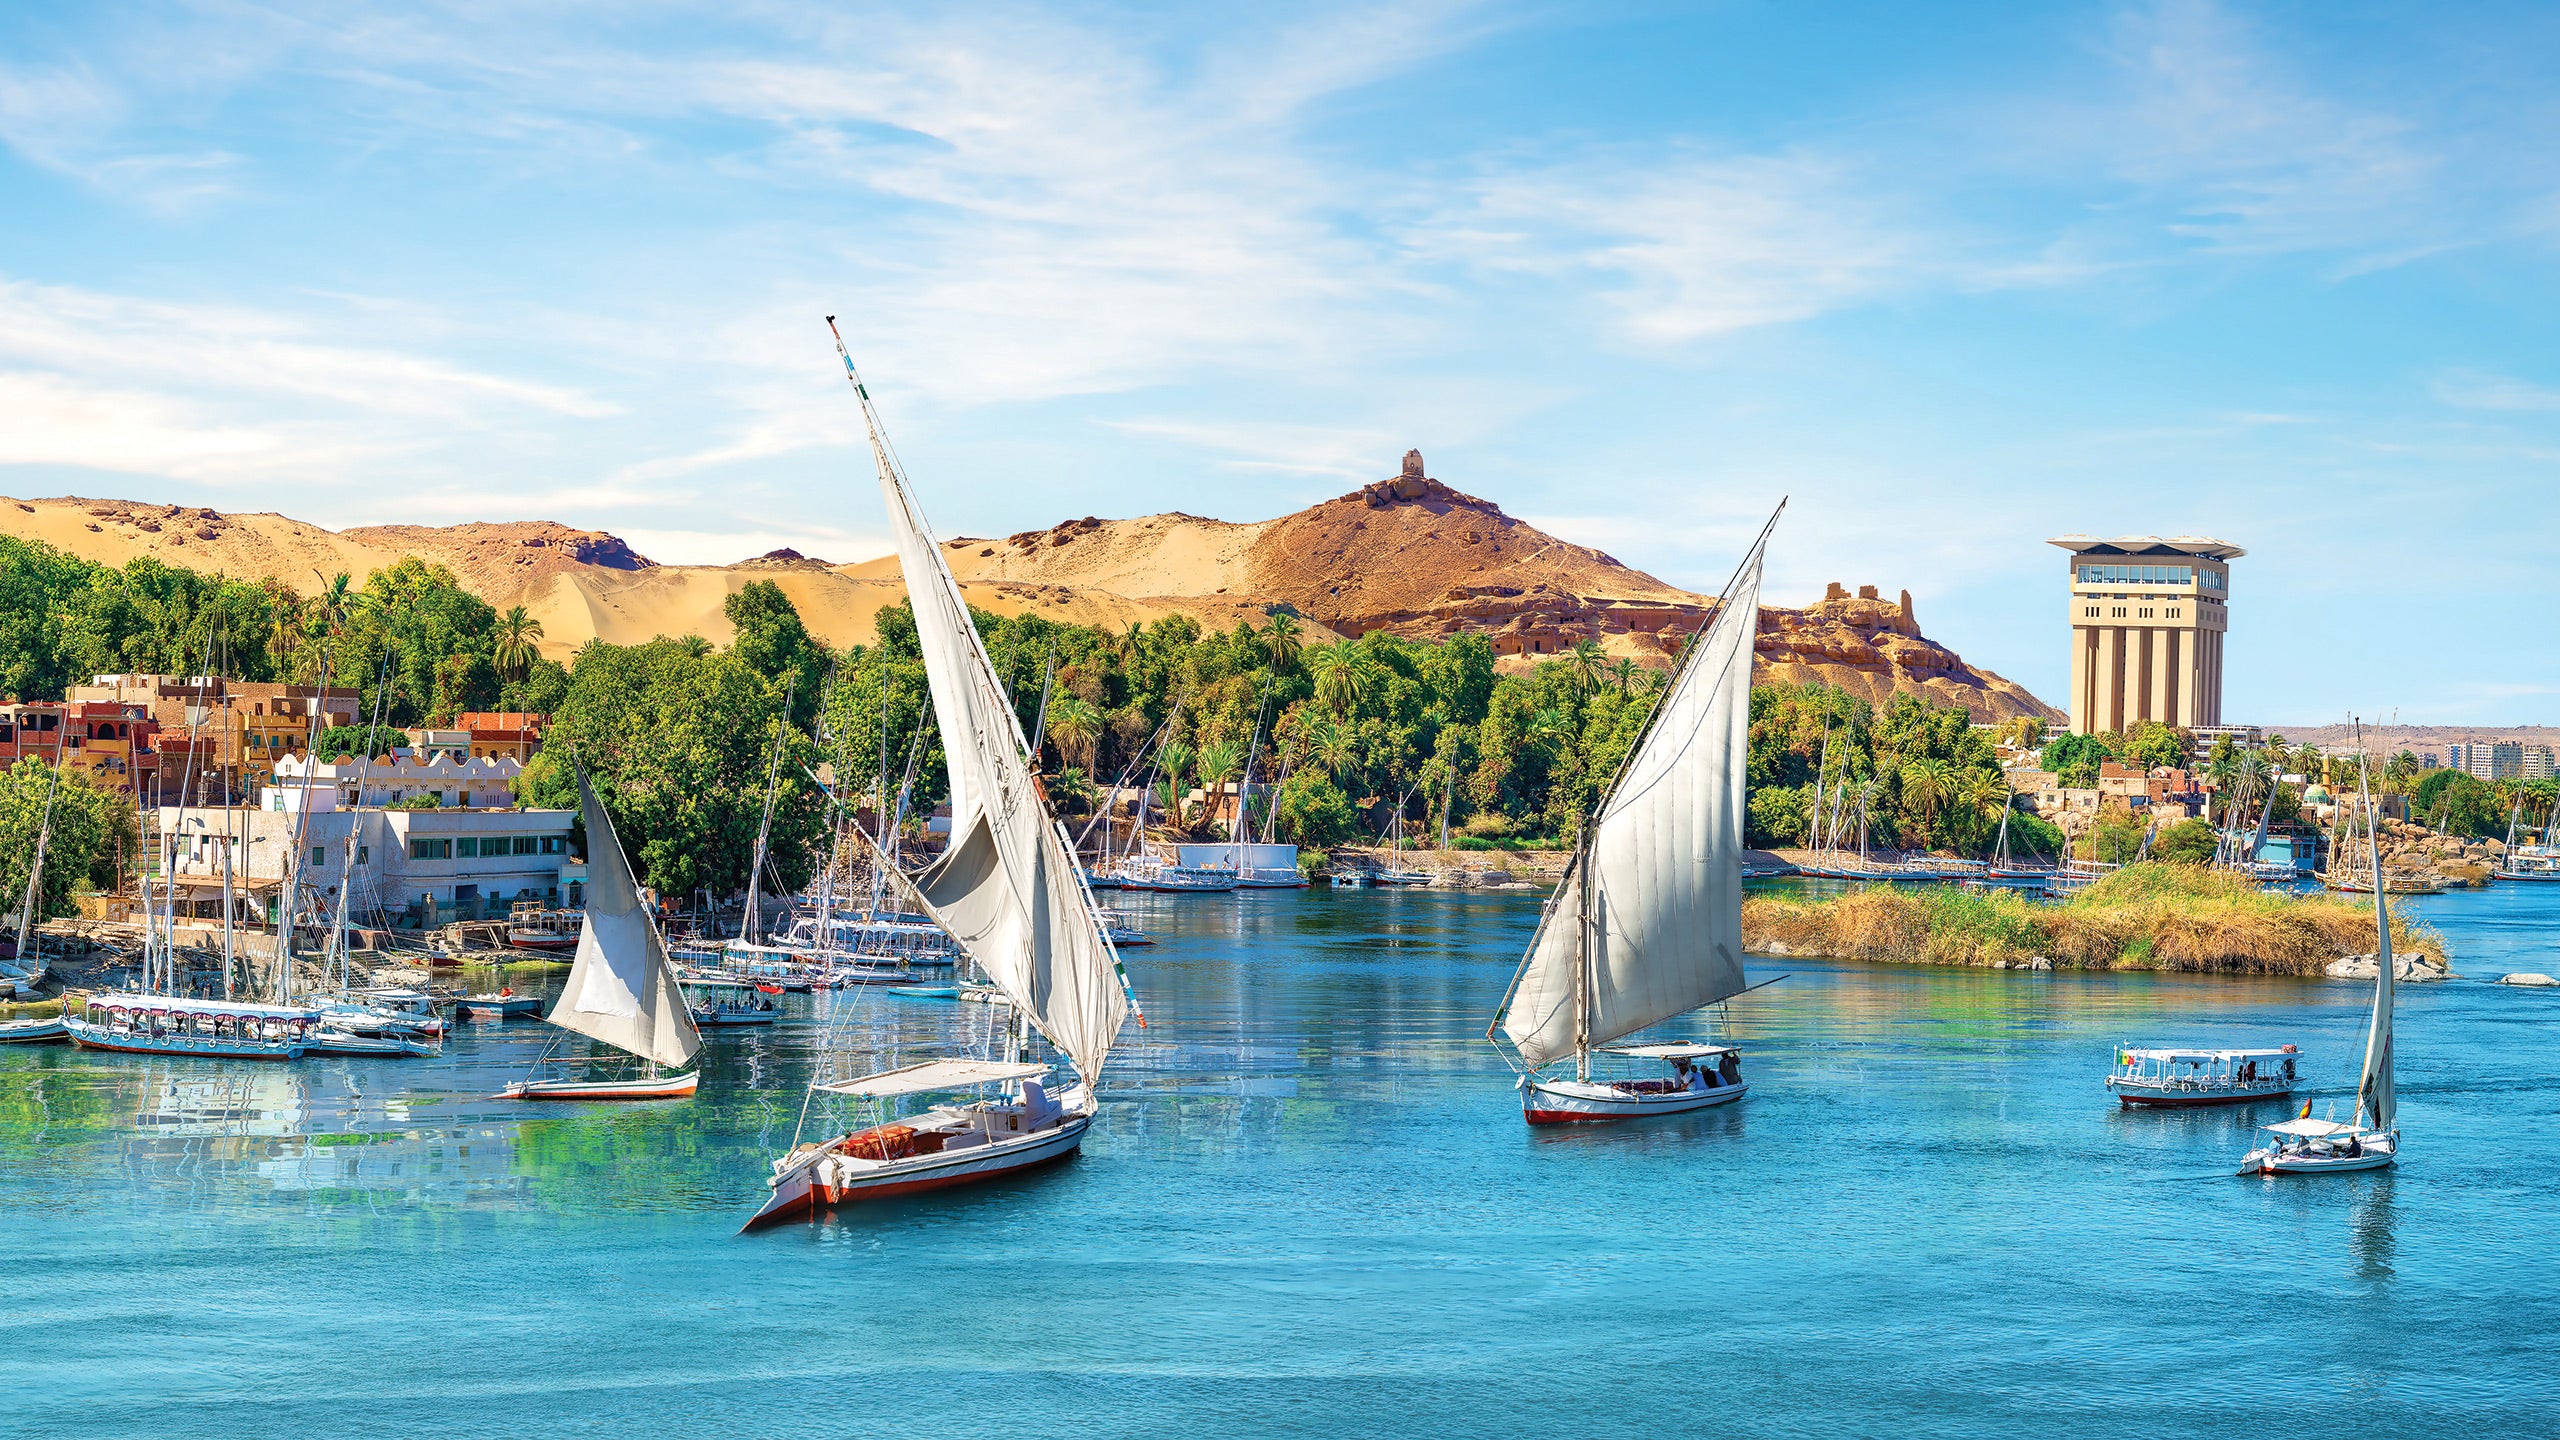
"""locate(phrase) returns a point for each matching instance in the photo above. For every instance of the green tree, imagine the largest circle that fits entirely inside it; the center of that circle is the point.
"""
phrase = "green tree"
(514, 652)
(2150, 744)
(677, 745)
(2074, 759)
(92, 827)
(2189, 842)
(363, 742)
(1588, 662)
(1314, 811)
(1283, 639)
(774, 643)
(1339, 683)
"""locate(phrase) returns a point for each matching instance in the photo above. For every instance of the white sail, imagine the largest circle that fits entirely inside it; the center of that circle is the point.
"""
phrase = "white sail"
(2374, 1103)
(622, 990)
(1648, 922)
(1007, 888)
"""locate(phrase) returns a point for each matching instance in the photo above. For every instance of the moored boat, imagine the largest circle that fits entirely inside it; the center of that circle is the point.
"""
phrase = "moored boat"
(500, 1004)
(622, 991)
(1009, 893)
(330, 1040)
(148, 1024)
(2371, 1139)
(725, 1012)
(35, 1031)
(1701, 1076)
(945, 1146)
(2202, 1077)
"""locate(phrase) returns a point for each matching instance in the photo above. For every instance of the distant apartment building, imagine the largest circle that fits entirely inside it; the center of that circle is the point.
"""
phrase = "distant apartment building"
(219, 739)
(503, 734)
(116, 744)
(2148, 616)
(2164, 792)
(2538, 763)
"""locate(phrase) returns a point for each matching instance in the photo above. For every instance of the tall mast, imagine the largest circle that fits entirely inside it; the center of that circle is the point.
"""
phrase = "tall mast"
(1582, 955)
(35, 872)
(2373, 1089)
(747, 929)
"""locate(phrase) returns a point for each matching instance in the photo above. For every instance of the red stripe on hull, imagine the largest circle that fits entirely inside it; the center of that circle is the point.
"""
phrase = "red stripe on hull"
(831, 1197)
(1569, 1117)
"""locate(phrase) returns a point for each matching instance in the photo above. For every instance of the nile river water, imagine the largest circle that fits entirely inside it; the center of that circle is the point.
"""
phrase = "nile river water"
(1310, 1208)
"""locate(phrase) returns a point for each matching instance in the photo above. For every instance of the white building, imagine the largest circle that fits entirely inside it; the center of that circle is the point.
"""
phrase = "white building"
(466, 854)
(453, 782)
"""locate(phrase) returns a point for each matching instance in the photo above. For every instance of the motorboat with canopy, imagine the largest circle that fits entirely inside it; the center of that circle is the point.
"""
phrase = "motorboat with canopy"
(622, 990)
(1013, 899)
(2203, 1077)
(2371, 1140)
(1647, 923)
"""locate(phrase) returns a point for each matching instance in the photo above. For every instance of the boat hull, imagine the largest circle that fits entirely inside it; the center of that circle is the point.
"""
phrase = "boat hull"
(647, 1087)
(2299, 1163)
(492, 1008)
(802, 1192)
(99, 1037)
(1572, 1102)
(33, 1032)
(2131, 1097)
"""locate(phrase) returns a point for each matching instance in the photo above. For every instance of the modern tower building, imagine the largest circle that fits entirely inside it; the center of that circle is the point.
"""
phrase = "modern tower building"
(2147, 620)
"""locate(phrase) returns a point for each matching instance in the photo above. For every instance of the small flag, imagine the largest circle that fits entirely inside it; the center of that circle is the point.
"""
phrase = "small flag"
(2306, 1111)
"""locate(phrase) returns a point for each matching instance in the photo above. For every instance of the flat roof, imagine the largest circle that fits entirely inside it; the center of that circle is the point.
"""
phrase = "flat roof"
(2204, 546)
(2286, 1052)
(2309, 1129)
(1680, 1050)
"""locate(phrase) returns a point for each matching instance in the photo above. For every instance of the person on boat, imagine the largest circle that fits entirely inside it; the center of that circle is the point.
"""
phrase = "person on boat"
(2355, 1146)
(1730, 1067)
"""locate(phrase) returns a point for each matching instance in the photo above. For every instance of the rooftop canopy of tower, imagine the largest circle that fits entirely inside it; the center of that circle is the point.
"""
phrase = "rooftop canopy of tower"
(2204, 546)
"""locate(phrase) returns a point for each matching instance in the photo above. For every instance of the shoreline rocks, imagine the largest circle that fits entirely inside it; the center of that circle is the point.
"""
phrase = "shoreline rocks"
(2414, 969)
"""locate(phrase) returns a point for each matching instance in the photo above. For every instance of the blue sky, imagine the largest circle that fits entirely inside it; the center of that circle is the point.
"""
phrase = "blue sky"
(1956, 279)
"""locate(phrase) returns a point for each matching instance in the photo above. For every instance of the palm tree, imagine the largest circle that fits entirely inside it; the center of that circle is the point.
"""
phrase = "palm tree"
(1624, 673)
(1587, 661)
(514, 654)
(1218, 762)
(693, 645)
(1339, 684)
(1077, 727)
(335, 605)
(1282, 639)
(1335, 749)
(1926, 785)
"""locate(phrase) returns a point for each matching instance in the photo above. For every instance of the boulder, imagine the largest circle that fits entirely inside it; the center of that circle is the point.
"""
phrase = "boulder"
(2414, 969)
(2531, 978)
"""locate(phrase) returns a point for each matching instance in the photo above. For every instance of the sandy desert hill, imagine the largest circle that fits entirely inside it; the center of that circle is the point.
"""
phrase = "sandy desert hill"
(1408, 555)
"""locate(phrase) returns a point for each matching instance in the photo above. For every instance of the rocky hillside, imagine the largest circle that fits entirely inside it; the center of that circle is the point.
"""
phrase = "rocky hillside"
(1408, 555)
(1412, 556)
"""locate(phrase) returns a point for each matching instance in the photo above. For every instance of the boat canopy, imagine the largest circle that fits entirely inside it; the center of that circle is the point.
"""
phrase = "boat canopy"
(1678, 1050)
(190, 1005)
(936, 1075)
(2198, 1057)
(2309, 1129)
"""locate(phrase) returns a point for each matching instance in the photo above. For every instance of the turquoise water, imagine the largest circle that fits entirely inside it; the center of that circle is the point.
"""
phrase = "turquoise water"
(1310, 1208)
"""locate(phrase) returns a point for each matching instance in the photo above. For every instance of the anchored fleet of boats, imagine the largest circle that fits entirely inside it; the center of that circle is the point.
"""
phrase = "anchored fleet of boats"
(1643, 929)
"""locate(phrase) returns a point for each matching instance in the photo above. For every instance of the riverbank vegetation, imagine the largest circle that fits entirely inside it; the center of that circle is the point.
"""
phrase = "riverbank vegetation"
(2153, 916)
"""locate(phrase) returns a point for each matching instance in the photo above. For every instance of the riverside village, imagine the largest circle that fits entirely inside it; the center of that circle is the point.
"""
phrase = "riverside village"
(858, 721)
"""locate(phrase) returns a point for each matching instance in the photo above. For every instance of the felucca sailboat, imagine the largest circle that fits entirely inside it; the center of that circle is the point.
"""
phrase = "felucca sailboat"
(1647, 923)
(622, 989)
(1009, 891)
(2304, 1146)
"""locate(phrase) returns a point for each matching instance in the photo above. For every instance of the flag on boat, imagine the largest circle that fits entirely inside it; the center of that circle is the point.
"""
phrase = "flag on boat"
(2306, 1111)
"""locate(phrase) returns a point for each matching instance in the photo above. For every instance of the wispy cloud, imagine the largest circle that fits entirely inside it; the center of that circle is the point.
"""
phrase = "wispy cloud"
(2480, 390)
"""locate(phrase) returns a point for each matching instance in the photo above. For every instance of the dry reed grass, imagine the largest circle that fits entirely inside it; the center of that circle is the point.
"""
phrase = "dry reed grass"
(2145, 917)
